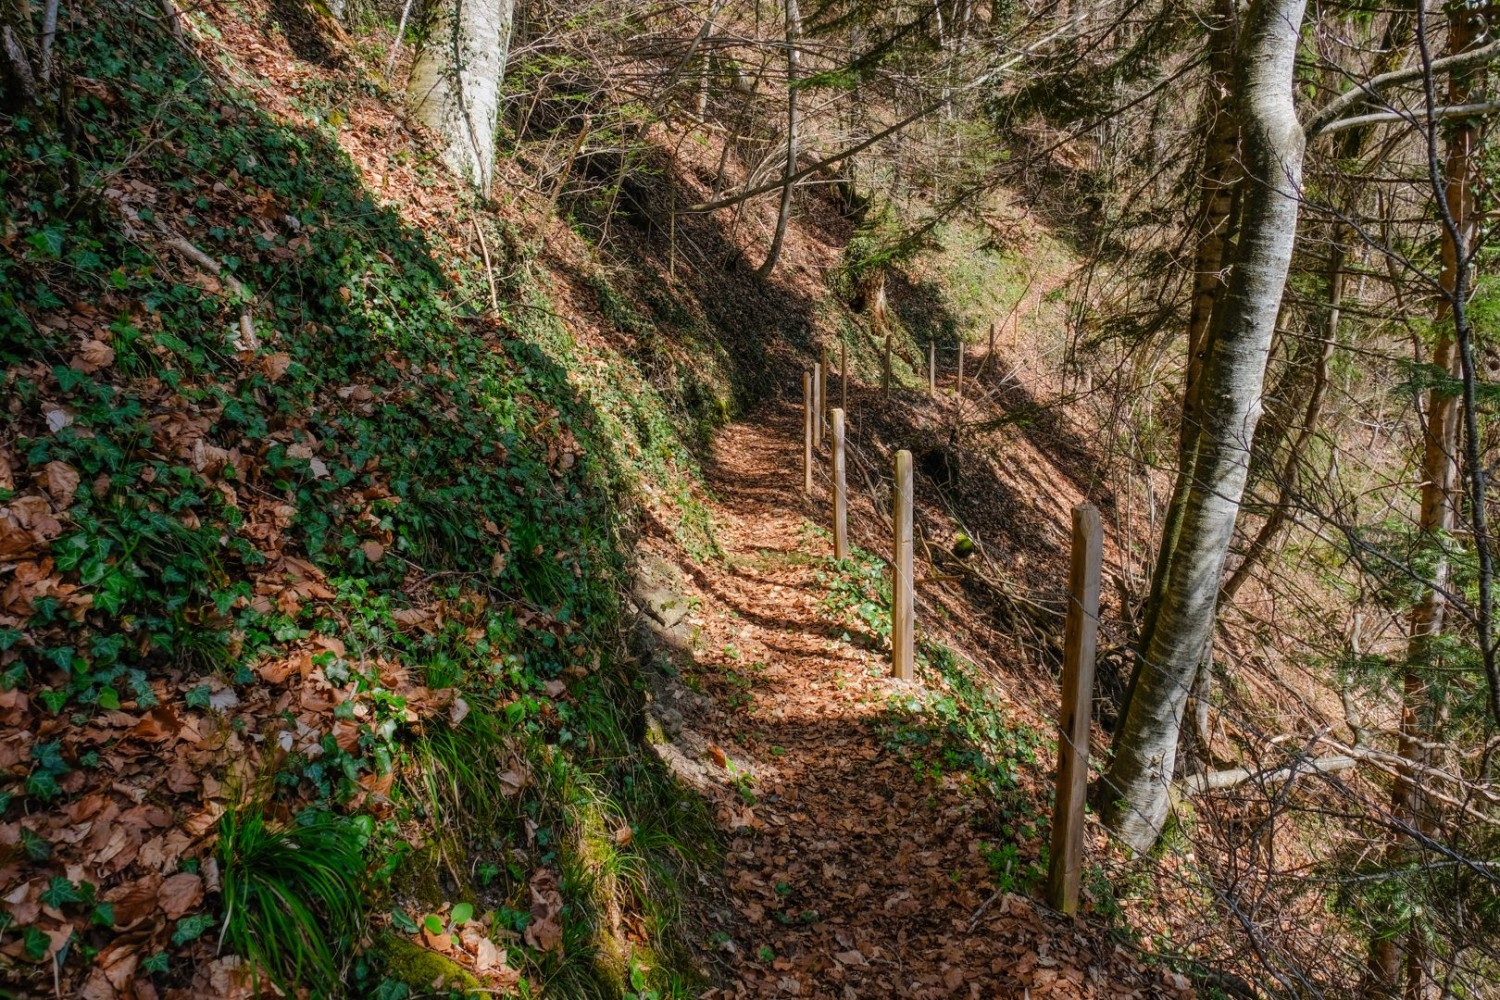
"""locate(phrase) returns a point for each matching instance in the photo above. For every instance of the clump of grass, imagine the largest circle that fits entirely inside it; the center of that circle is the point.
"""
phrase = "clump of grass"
(293, 895)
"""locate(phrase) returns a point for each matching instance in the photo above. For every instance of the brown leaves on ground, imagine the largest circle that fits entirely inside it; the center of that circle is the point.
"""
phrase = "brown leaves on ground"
(852, 873)
(163, 777)
(544, 931)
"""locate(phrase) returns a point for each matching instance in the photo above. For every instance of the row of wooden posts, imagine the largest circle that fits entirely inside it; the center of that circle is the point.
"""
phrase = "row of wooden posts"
(885, 370)
(1081, 628)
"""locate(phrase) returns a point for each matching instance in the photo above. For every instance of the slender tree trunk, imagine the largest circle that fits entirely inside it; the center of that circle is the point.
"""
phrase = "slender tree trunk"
(784, 214)
(1229, 398)
(1219, 183)
(1219, 186)
(1391, 958)
(1349, 145)
(1316, 393)
(455, 82)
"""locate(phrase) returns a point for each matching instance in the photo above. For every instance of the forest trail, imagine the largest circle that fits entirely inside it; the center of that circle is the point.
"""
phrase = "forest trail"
(856, 864)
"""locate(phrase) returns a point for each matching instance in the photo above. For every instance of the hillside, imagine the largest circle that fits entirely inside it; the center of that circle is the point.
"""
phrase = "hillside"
(329, 556)
(409, 590)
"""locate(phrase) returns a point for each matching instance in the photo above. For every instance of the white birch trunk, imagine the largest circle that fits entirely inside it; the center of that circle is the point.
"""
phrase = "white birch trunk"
(455, 82)
(1138, 785)
(784, 214)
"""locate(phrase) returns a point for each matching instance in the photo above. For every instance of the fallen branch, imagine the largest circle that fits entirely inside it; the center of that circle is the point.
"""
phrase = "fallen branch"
(247, 341)
(1214, 781)
(1198, 784)
(489, 272)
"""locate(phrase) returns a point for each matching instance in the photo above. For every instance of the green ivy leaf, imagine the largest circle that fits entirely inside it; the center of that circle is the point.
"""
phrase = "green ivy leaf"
(34, 845)
(59, 893)
(37, 943)
(191, 928)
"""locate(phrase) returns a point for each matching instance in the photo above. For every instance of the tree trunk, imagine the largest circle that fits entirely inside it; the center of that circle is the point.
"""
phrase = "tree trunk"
(17, 37)
(1280, 515)
(455, 82)
(789, 181)
(1390, 959)
(1349, 146)
(1229, 397)
(1219, 186)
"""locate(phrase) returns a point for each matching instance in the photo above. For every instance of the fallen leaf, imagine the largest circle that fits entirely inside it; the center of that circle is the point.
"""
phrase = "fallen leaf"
(62, 482)
(544, 932)
(180, 894)
(94, 355)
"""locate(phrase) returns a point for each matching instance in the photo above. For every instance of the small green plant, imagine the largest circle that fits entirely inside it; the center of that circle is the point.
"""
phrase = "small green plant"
(1010, 872)
(293, 895)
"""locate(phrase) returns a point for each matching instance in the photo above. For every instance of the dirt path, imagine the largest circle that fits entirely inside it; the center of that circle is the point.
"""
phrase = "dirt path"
(857, 863)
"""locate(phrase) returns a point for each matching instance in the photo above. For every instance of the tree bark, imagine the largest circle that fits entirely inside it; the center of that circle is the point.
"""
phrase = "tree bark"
(1349, 146)
(18, 86)
(789, 175)
(1233, 375)
(1219, 186)
(455, 82)
(1390, 959)
(1280, 512)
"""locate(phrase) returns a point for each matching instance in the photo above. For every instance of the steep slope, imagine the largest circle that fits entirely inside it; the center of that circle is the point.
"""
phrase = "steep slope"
(326, 497)
(309, 553)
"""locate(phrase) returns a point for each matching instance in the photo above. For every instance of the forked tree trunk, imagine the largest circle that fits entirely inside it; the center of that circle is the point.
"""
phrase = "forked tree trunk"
(1212, 483)
(793, 62)
(455, 82)
(1219, 187)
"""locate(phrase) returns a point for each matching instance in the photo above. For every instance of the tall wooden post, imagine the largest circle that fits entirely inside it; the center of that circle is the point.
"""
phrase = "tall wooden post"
(807, 432)
(840, 491)
(844, 377)
(960, 390)
(903, 618)
(992, 339)
(817, 405)
(1065, 858)
(885, 372)
(932, 368)
(823, 395)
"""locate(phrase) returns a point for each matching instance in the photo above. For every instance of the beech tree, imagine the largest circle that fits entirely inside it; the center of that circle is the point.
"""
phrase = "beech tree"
(1225, 405)
(455, 82)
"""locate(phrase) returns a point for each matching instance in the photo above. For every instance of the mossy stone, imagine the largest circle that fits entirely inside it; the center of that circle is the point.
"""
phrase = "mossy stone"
(422, 968)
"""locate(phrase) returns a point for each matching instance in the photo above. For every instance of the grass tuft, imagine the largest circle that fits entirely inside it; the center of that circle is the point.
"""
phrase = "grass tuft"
(293, 895)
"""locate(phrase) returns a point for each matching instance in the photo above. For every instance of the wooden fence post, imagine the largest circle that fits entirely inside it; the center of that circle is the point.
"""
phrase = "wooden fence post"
(807, 432)
(823, 395)
(902, 602)
(844, 377)
(932, 367)
(817, 405)
(885, 372)
(840, 491)
(1065, 858)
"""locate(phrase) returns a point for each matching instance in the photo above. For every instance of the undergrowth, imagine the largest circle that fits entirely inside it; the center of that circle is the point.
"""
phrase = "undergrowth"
(420, 494)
